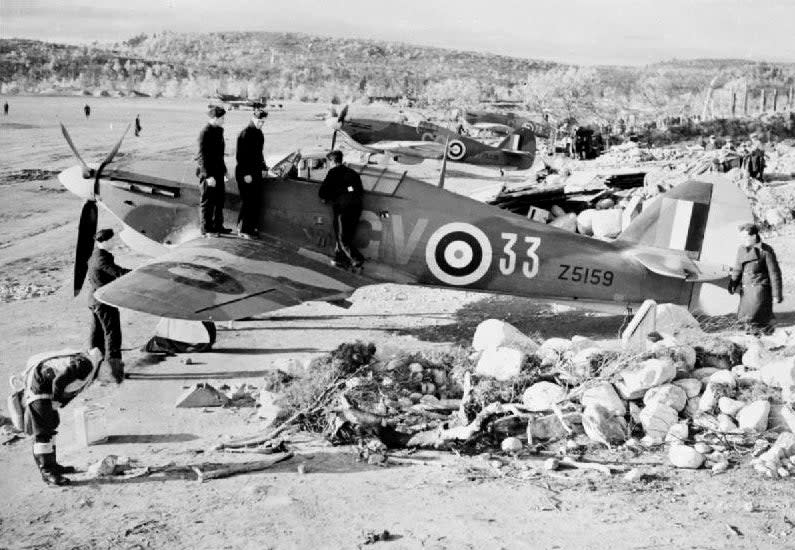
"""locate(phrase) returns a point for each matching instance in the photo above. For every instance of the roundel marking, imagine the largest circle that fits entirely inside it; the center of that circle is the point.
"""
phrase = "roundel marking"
(458, 254)
(456, 149)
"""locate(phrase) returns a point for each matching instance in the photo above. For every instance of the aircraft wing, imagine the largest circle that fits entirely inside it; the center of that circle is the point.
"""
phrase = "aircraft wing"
(419, 148)
(227, 278)
(680, 266)
(493, 127)
(422, 149)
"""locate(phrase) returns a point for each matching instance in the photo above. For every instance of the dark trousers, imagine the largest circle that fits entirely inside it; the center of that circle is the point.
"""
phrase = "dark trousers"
(105, 330)
(211, 205)
(247, 219)
(41, 421)
(756, 306)
(346, 217)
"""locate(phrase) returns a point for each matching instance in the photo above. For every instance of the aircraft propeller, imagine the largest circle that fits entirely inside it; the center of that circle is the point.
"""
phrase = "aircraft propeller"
(337, 124)
(87, 226)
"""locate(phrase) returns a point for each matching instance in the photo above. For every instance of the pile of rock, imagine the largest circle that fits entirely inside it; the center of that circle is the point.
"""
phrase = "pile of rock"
(706, 398)
(692, 391)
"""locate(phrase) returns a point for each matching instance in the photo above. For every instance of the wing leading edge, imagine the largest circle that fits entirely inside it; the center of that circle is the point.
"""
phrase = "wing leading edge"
(224, 279)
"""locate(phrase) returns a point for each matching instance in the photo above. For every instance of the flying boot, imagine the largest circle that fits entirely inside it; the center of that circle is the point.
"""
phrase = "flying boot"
(48, 467)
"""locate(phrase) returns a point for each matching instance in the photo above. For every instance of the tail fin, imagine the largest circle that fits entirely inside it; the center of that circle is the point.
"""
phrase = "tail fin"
(699, 217)
(523, 144)
(522, 140)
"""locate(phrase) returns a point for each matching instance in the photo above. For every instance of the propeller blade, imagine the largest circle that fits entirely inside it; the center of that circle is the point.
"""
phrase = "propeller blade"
(333, 140)
(343, 114)
(65, 132)
(86, 230)
(109, 159)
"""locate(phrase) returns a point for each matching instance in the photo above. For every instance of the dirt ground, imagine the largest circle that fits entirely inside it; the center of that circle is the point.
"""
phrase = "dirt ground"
(438, 500)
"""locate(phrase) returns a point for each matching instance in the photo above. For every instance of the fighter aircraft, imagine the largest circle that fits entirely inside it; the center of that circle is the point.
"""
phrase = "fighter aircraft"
(410, 231)
(427, 140)
(238, 102)
(489, 120)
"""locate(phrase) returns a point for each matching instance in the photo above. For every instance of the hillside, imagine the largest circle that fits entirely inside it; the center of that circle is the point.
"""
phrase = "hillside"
(313, 68)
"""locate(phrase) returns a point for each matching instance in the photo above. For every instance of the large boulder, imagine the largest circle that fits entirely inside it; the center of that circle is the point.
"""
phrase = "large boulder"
(668, 394)
(494, 333)
(553, 350)
(543, 396)
(502, 363)
(549, 427)
(678, 433)
(657, 419)
(781, 418)
(754, 416)
(726, 424)
(606, 223)
(683, 456)
(780, 373)
(604, 394)
(730, 406)
(691, 386)
(603, 426)
(724, 378)
(585, 222)
(645, 375)
(567, 222)
(755, 356)
(673, 319)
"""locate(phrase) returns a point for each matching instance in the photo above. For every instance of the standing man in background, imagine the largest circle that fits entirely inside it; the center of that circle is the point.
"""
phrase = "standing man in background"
(212, 174)
(87, 110)
(756, 158)
(5, 108)
(138, 126)
(249, 172)
(105, 322)
(756, 276)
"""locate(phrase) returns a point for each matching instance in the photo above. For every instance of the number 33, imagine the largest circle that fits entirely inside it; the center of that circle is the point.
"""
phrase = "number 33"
(508, 262)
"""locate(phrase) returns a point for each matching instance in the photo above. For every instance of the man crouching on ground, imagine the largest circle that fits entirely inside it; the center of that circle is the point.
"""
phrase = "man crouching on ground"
(51, 381)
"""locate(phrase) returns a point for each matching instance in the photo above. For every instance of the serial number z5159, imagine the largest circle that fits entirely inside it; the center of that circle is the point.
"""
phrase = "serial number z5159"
(585, 275)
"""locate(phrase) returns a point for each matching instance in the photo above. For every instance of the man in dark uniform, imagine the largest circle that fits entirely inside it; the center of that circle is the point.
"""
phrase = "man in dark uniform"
(212, 173)
(343, 189)
(249, 171)
(757, 277)
(5, 108)
(51, 381)
(756, 158)
(138, 126)
(87, 110)
(105, 323)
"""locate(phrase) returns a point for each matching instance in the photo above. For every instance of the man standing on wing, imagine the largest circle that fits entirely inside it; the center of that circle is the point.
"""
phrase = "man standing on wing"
(212, 172)
(249, 172)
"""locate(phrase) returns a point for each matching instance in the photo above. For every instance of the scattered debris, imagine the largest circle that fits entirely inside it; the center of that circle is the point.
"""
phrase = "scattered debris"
(202, 395)
(371, 536)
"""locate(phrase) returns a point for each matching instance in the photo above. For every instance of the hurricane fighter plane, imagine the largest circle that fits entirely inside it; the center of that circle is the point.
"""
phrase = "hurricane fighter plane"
(411, 232)
(429, 140)
(505, 122)
(237, 102)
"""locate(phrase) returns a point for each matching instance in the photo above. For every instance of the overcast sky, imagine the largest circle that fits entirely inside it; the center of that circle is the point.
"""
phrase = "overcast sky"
(575, 31)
